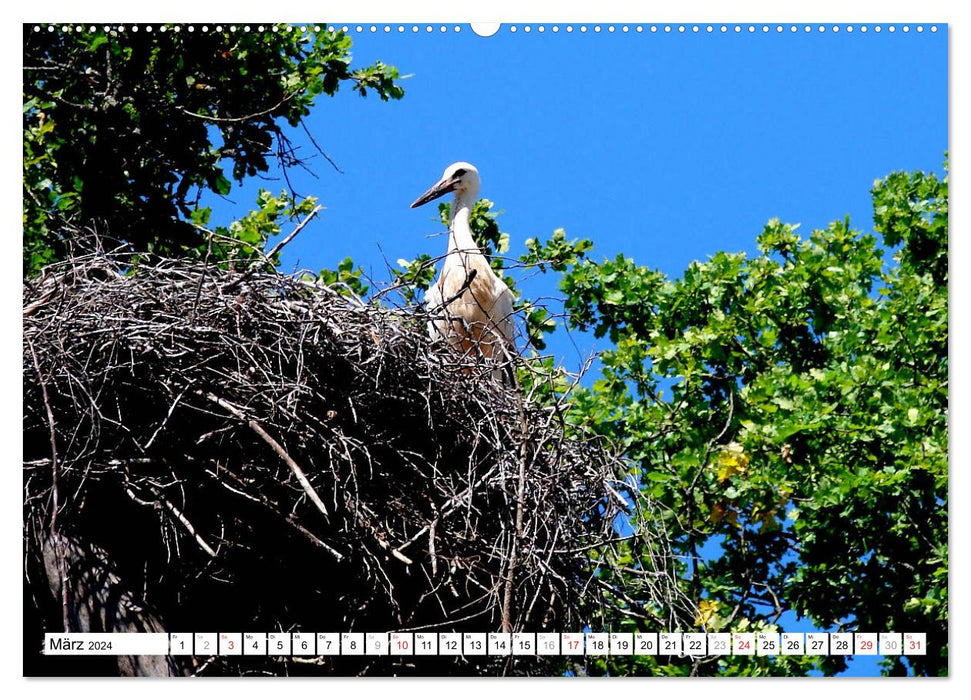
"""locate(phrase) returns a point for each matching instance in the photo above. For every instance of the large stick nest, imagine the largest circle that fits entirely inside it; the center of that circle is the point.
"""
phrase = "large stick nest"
(254, 452)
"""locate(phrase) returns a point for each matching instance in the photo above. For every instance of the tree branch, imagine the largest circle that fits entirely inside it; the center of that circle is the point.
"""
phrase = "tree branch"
(294, 467)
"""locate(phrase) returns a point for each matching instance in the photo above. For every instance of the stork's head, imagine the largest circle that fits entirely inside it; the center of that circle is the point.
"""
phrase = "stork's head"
(461, 178)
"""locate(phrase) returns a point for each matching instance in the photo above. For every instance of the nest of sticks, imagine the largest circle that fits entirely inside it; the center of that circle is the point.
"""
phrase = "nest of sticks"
(218, 450)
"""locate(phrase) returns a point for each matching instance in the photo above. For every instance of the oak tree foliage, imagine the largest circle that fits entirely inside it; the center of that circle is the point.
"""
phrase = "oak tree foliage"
(125, 129)
(790, 411)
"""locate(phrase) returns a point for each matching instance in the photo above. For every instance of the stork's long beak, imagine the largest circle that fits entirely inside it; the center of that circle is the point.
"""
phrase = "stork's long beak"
(437, 190)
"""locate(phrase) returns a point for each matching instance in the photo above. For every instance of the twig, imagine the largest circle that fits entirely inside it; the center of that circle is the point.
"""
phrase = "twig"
(620, 499)
(205, 269)
(294, 467)
(55, 490)
(181, 518)
(267, 258)
(507, 625)
(394, 552)
(461, 290)
(299, 227)
(289, 518)
(166, 420)
(232, 120)
(319, 149)
(31, 308)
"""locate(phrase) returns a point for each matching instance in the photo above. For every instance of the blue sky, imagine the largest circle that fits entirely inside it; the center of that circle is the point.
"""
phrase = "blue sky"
(667, 147)
(664, 146)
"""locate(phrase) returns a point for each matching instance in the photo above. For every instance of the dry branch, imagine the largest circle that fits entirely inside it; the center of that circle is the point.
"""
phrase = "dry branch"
(294, 467)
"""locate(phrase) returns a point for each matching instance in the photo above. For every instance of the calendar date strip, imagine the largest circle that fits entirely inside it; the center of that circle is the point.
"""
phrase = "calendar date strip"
(298, 644)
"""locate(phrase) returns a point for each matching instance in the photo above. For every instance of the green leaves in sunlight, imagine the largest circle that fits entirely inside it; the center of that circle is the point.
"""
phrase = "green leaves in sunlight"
(346, 279)
(123, 131)
(414, 276)
(557, 253)
(246, 238)
(789, 410)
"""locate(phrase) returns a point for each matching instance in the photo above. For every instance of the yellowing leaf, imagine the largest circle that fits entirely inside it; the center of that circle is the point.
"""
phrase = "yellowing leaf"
(763, 513)
(706, 609)
(731, 460)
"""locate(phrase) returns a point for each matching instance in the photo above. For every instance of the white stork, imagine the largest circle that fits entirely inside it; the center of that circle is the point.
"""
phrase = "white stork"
(472, 305)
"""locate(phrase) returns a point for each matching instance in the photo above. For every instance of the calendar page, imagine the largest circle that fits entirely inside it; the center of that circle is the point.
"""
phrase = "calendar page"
(497, 349)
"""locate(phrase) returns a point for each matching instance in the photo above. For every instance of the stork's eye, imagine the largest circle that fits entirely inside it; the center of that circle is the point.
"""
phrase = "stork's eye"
(460, 172)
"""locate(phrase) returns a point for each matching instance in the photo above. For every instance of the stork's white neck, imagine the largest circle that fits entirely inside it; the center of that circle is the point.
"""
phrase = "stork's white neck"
(459, 231)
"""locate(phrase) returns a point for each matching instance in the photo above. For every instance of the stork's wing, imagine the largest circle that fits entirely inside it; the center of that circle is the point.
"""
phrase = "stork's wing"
(502, 313)
(433, 303)
(433, 298)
